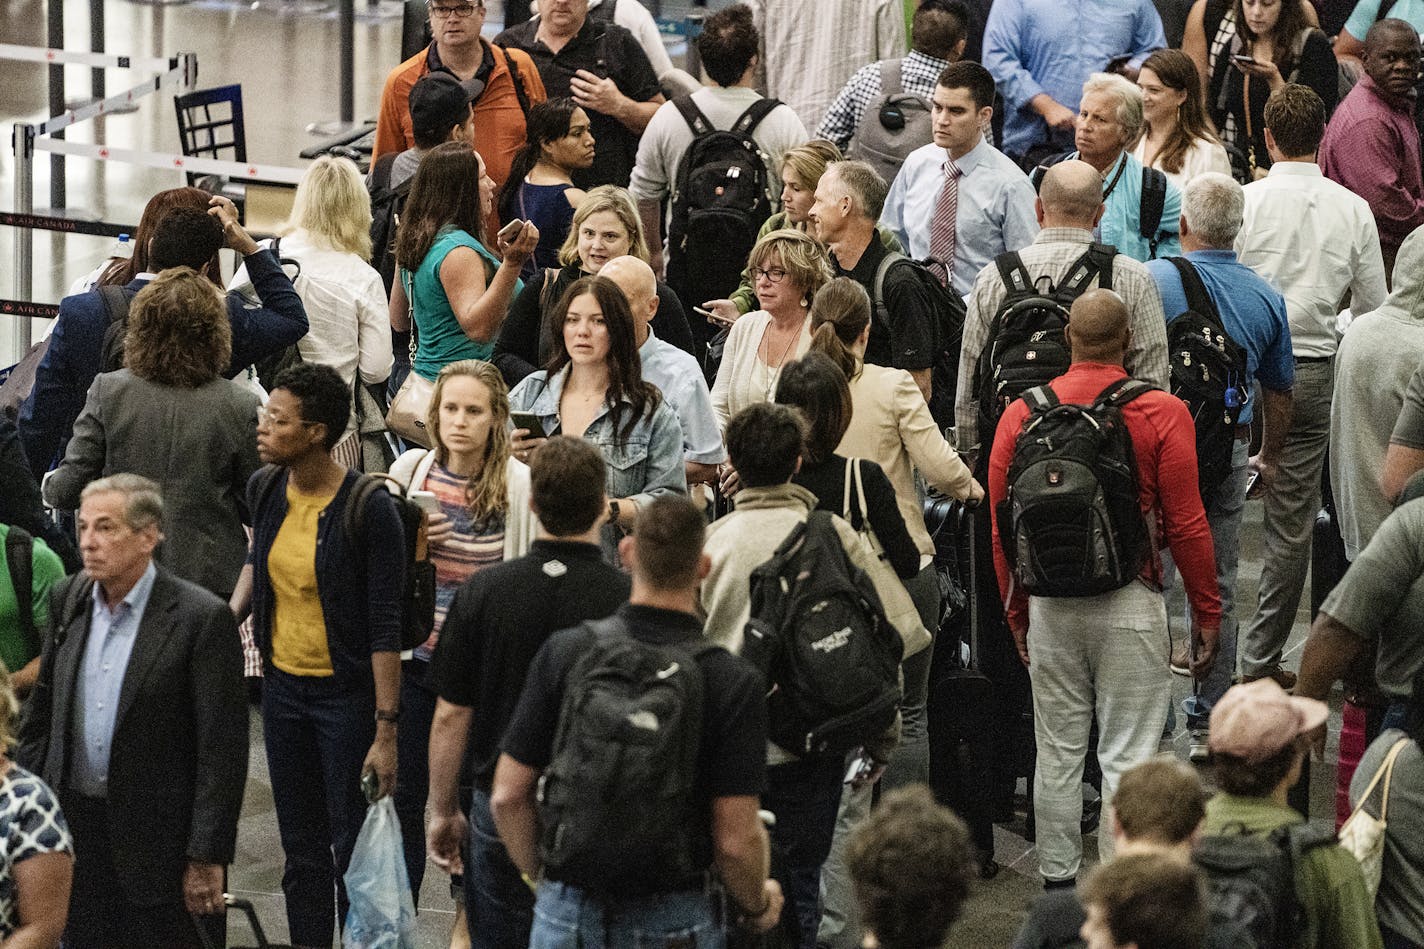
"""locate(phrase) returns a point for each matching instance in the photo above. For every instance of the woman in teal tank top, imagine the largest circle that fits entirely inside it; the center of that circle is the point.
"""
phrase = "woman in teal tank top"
(449, 283)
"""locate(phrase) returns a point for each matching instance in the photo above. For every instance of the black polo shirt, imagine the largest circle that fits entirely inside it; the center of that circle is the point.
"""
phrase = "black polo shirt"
(611, 52)
(499, 619)
(906, 339)
(732, 759)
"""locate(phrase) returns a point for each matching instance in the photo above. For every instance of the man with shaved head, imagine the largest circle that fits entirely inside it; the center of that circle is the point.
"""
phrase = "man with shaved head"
(1106, 653)
(673, 371)
(1371, 145)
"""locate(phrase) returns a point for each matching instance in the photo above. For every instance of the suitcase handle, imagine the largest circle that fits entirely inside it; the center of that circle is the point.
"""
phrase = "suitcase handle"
(247, 909)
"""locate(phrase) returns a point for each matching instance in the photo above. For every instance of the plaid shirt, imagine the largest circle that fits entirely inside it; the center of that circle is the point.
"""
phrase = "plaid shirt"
(918, 73)
(1050, 255)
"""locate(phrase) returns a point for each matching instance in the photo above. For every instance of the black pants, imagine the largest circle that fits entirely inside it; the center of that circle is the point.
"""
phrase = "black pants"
(100, 914)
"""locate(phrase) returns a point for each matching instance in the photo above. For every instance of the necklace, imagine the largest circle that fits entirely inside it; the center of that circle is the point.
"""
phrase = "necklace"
(774, 372)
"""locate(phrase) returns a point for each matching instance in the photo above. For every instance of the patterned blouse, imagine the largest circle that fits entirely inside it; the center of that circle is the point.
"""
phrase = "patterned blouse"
(30, 823)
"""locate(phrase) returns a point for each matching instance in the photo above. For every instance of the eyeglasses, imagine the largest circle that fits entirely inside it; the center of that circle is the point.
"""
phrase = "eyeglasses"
(463, 10)
(774, 275)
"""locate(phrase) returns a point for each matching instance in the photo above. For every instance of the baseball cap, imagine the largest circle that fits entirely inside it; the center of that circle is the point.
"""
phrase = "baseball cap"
(439, 100)
(1256, 720)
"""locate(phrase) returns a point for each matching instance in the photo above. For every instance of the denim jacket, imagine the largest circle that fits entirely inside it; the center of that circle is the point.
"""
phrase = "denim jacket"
(645, 464)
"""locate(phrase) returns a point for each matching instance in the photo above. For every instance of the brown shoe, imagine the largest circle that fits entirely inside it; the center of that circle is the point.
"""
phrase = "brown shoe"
(1284, 677)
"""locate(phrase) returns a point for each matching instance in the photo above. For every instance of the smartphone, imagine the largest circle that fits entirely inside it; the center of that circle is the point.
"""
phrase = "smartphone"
(1245, 60)
(371, 786)
(511, 230)
(530, 421)
(425, 500)
(860, 768)
(711, 317)
(1252, 482)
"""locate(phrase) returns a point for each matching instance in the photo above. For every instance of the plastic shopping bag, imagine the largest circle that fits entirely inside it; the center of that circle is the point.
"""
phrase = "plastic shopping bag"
(382, 914)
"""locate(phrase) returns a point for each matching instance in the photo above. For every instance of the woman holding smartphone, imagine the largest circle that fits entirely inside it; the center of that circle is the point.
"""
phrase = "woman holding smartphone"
(449, 284)
(605, 226)
(594, 389)
(477, 499)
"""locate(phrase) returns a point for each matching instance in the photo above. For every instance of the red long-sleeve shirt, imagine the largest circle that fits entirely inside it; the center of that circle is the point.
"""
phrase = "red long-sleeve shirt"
(1165, 443)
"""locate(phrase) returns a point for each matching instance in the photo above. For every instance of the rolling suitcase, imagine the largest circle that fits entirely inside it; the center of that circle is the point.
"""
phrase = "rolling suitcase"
(247, 909)
(961, 700)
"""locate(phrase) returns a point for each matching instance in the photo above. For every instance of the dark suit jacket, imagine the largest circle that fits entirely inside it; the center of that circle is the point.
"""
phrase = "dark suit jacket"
(178, 759)
(76, 346)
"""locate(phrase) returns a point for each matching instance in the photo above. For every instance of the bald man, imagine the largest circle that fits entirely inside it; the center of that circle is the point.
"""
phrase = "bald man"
(673, 371)
(1371, 145)
(1069, 205)
(1106, 653)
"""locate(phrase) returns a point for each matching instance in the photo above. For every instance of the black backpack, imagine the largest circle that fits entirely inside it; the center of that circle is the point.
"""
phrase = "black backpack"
(721, 198)
(418, 594)
(948, 331)
(1071, 523)
(19, 558)
(619, 802)
(1026, 346)
(1150, 207)
(818, 631)
(1209, 375)
(386, 206)
(1250, 882)
(116, 302)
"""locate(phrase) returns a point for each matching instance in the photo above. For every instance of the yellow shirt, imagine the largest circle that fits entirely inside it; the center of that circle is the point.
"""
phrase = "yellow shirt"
(299, 644)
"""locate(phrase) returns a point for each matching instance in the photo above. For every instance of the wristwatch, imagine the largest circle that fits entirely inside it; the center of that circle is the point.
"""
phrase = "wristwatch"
(613, 512)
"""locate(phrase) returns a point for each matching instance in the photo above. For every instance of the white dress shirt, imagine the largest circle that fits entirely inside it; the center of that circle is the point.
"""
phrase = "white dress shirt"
(995, 213)
(1312, 240)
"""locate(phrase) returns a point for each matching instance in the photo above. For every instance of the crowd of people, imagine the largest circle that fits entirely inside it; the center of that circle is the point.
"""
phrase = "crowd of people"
(568, 479)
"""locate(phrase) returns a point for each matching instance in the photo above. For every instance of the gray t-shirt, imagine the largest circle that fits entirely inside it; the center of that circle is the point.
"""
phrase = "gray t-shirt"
(1400, 904)
(1409, 430)
(1381, 598)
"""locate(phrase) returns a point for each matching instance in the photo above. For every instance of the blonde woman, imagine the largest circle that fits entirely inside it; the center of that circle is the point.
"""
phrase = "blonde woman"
(324, 247)
(36, 850)
(606, 225)
(788, 267)
(801, 170)
(479, 515)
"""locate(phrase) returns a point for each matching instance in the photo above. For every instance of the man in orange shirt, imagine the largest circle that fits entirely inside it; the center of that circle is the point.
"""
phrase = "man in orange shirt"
(511, 84)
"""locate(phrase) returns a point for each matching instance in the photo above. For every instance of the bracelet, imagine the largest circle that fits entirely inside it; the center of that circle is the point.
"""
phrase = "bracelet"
(392, 716)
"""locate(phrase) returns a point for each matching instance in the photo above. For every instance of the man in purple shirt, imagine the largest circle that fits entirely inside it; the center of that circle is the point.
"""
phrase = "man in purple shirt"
(1372, 144)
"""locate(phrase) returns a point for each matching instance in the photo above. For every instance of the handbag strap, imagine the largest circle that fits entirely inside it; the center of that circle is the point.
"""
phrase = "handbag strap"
(410, 310)
(1386, 769)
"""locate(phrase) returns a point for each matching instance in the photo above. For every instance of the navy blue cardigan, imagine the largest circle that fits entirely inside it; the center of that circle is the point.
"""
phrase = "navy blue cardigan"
(360, 587)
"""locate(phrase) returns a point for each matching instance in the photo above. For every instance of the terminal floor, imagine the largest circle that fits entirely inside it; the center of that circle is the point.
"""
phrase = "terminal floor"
(285, 54)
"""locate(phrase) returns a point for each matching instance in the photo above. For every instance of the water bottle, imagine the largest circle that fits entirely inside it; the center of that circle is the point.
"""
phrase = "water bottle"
(123, 248)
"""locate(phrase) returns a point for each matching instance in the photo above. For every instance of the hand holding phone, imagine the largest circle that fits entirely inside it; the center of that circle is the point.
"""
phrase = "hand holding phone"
(425, 500)
(530, 422)
(510, 231)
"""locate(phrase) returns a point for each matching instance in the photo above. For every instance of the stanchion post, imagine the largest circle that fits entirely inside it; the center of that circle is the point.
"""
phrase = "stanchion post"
(347, 16)
(24, 143)
(694, 30)
(56, 101)
(96, 44)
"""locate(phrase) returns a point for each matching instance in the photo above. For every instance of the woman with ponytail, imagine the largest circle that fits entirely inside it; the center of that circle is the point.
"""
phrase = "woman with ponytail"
(890, 424)
(540, 186)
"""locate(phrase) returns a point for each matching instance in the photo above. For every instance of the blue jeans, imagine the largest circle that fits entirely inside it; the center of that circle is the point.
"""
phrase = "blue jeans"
(566, 918)
(804, 796)
(1224, 512)
(417, 703)
(910, 762)
(317, 732)
(499, 908)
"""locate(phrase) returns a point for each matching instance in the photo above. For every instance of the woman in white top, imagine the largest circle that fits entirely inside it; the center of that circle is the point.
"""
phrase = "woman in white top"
(891, 425)
(787, 267)
(327, 241)
(1177, 137)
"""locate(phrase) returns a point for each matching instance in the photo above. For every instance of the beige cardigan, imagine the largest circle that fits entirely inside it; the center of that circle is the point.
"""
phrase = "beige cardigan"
(891, 426)
(742, 379)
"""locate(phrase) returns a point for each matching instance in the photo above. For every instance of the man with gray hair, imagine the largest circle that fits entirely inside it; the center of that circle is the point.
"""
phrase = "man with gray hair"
(138, 722)
(1254, 316)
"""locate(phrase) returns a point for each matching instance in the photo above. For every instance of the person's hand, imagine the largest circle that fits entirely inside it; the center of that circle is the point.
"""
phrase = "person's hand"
(522, 445)
(600, 95)
(976, 493)
(517, 246)
(203, 888)
(438, 529)
(1265, 71)
(234, 236)
(724, 312)
(1059, 116)
(1205, 643)
(444, 838)
(877, 771)
(771, 890)
(381, 760)
(1020, 635)
(730, 483)
(1267, 469)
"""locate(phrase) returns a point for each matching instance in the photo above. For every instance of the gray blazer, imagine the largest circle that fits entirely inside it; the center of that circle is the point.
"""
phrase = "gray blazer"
(199, 445)
(178, 759)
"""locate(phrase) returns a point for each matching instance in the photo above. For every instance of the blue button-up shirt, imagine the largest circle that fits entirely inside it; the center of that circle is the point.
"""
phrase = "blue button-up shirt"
(1052, 46)
(995, 212)
(101, 677)
(1252, 312)
(1121, 225)
(681, 382)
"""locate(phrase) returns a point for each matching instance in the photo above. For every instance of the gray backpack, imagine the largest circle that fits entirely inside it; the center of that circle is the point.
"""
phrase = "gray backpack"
(894, 124)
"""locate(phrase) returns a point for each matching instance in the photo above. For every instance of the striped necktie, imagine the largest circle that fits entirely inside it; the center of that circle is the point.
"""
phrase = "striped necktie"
(942, 235)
